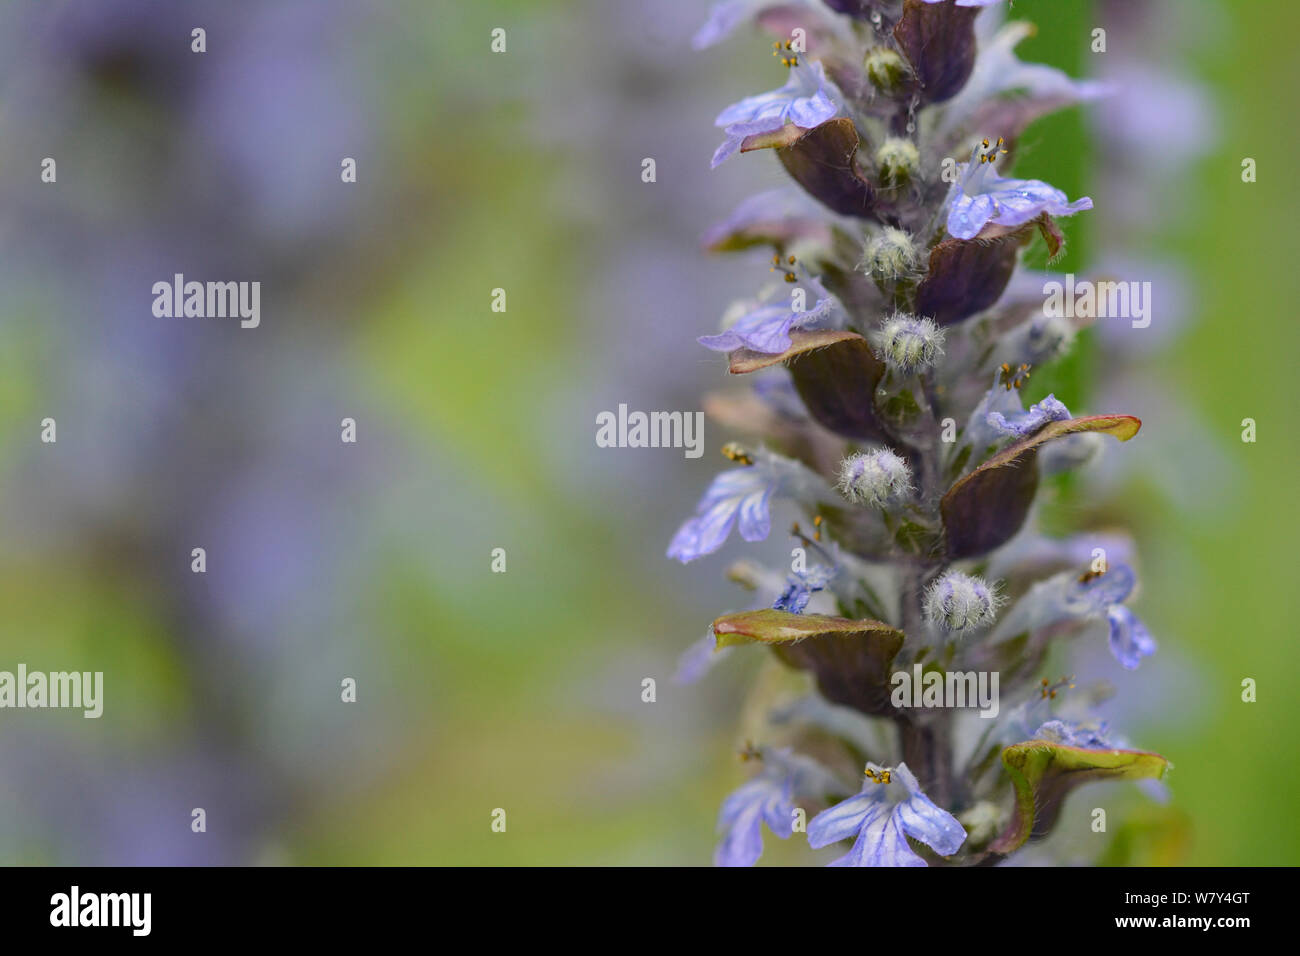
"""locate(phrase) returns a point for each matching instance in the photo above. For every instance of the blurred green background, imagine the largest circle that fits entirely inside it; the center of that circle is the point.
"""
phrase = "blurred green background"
(520, 690)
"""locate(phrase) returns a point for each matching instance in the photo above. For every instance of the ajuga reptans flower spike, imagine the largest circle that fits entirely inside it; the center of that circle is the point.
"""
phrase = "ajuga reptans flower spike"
(887, 358)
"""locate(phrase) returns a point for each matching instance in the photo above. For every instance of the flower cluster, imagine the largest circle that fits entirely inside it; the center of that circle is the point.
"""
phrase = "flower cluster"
(904, 346)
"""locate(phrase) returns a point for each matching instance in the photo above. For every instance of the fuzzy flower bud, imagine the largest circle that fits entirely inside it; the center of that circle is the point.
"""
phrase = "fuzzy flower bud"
(908, 344)
(959, 603)
(877, 478)
(898, 161)
(890, 255)
(885, 68)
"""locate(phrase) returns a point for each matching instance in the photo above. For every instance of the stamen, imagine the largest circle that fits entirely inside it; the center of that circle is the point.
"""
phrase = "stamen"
(750, 752)
(991, 155)
(812, 544)
(736, 452)
(1049, 690)
(787, 267)
(787, 54)
(1013, 378)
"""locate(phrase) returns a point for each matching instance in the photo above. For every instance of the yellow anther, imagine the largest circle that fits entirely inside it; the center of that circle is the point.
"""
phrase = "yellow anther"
(1010, 378)
(992, 151)
(882, 776)
(735, 452)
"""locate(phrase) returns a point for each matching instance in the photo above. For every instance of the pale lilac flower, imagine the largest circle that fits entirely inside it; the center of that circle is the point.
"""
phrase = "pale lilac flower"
(982, 197)
(1091, 735)
(1003, 85)
(724, 18)
(742, 497)
(698, 659)
(808, 99)
(1130, 641)
(980, 433)
(1026, 423)
(786, 213)
(767, 327)
(764, 799)
(882, 816)
(1068, 596)
(802, 586)
(768, 798)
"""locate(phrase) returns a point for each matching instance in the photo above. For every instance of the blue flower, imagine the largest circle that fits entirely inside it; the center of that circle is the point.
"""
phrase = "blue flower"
(986, 101)
(1026, 423)
(723, 20)
(1130, 641)
(698, 659)
(743, 496)
(780, 216)
(726, 16)
(1091, 736)
(802, 586)
(1093, 595)
(883, 821)
(766, 327)
(998, 403)
(808, 99)
(981, 197)
(768, 798)
(765, 799)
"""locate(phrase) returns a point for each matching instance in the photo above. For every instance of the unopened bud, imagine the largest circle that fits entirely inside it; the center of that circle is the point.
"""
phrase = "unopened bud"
(898, 162)
(890, 255)
(885, 68)
(959, 603)
(877, 478)
(909, 344)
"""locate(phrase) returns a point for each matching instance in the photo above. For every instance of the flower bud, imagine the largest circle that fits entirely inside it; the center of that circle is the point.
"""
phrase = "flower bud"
(890, 255)
(885, 68)
(959, 603)
(876, 478)
(898, 161)
(908, 344)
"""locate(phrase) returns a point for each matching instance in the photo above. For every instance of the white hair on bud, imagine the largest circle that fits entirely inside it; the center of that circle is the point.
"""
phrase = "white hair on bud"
(877, 478)
(884, 68)
(909, 344)
(890, 255)
(958, 603)
(898, 161)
